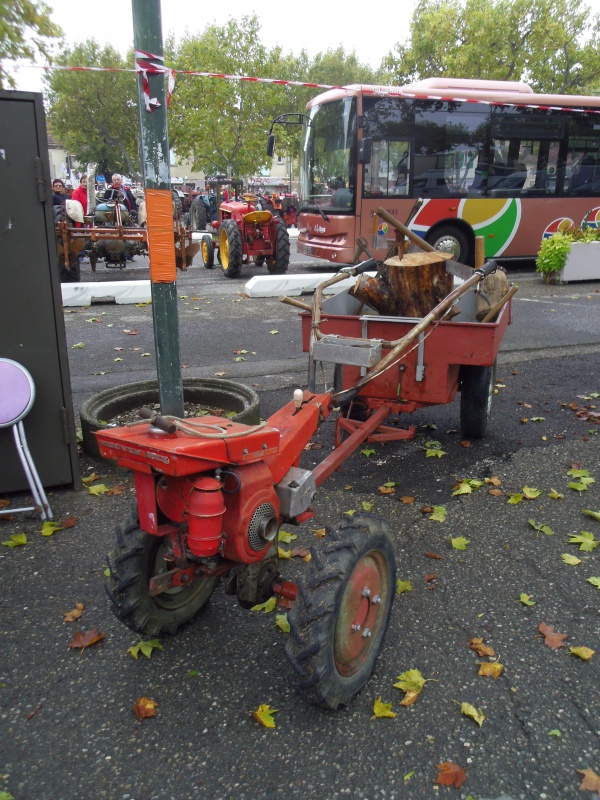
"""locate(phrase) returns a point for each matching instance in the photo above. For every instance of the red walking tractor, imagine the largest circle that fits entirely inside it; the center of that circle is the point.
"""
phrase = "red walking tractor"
(212, 494)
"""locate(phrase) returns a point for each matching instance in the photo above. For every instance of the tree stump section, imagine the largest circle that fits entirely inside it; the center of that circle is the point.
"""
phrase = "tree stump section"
(406, 287)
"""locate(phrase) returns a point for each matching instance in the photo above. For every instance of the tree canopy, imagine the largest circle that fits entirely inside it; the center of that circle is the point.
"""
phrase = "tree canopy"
(94, 114)
(26, 30)
(551, 44)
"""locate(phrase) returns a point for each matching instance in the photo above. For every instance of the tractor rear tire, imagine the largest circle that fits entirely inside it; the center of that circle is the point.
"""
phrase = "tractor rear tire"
(177, 205)
(281, 259)
(476, 394)
(207, 251)
(136, 558)
(231, 251)
(198, 215)
(342, 611)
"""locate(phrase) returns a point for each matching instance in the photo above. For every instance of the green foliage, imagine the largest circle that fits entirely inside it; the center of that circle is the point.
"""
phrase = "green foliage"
(554, 251)
(25, 31)
(553, 44)
(94, 114)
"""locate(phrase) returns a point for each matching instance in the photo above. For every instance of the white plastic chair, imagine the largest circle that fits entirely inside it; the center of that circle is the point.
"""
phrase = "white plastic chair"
(17, 393)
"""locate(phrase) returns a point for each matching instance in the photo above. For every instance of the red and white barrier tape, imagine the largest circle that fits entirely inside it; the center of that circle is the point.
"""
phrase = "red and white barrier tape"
(149, 64)
(380, 91)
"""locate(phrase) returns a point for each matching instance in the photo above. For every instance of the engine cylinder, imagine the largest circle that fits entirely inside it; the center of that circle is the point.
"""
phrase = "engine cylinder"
(205, 511)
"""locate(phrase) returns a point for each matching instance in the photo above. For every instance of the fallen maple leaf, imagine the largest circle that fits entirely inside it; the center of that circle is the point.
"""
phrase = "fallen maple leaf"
(49, 527)
(320, 532)
(267, 606)
(386, 490)
(264, 715)
(552, 639)
(430, 576)
(84, 639)
(145, 648)
(409, 699)
(301, 552)
(480, 648)
(281, 620)
(496, 492)
(403, 586)
(450, 774)
(495, 480)
(433, 555)
(98, 489)
(474, 713)
(381, 709)
(90, 478)
(286, 536)
(590, 782)
(406, 500)
(145, 707)
(69, 522)
(583, 652)
(75, 613)
(488, 670)
(114, 490)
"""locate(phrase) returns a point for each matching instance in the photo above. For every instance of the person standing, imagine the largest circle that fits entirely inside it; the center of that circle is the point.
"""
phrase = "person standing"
(80, 193)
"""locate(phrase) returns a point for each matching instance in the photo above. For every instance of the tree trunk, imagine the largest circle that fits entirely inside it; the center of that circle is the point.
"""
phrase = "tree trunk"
(407, 287)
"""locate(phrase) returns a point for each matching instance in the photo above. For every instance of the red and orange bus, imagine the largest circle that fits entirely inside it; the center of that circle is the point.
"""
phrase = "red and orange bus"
(489, 158)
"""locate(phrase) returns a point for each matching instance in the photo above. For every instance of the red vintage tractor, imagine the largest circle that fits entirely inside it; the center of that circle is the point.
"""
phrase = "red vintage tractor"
(245, 232)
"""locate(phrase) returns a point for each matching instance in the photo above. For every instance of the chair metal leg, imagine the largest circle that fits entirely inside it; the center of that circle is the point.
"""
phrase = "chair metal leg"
(33, 479)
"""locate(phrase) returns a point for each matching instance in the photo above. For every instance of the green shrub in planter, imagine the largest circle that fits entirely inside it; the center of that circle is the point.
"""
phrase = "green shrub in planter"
(554, 251)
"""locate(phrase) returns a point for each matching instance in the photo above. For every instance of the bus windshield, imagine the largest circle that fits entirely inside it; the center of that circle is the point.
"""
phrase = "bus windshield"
(328, 165)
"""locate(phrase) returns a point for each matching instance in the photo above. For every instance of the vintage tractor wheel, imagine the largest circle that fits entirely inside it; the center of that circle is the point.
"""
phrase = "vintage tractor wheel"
(231, 253)
(342, 611)
(136, 558)
(281, 259)
(207, 251)
(177, 205)
(198, 215)
(476, 394)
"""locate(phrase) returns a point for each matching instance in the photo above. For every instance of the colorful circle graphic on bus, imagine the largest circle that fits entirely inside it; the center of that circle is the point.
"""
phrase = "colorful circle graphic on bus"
(592, 218)
(495, 218)
(382, 229)
(556, 226)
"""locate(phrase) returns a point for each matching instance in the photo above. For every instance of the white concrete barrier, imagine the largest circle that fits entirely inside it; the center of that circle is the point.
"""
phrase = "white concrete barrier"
(123, 292)
(294, 285)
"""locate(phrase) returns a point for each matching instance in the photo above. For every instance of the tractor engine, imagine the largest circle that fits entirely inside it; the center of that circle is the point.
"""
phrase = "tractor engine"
(234, 514)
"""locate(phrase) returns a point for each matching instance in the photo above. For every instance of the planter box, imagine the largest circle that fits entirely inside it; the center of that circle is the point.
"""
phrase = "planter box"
(583, 263)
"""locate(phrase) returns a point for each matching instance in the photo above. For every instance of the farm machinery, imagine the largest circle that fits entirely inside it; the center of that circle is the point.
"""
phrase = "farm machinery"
(245, 233)
(110, 232)
(212, 493)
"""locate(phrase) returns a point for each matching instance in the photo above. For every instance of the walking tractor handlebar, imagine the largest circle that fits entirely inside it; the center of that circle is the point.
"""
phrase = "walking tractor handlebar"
(212, 493)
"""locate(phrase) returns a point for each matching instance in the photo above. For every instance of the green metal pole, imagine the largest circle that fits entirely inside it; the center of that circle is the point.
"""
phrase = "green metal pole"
(154, 138)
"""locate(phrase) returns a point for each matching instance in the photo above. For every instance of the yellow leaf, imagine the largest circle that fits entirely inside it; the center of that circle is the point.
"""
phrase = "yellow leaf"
(284, 553)
(386, 490)
(475, 713)
(583, 652)
(264, 715)
(284, 536)
(145, 707)
(403, 586)
(367, 505)
(90, 478)
(410, 681)
(320, 532)
(490, 670)
(571, 560)
(282, 623)
(49, 527)
(410, 698)
(16, 540)
(267, 607)
(554, 495)
(383, 709)
(98, 489)
(75, 613)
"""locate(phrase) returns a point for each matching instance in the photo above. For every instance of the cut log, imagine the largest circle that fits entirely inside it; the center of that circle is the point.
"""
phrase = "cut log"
(407, 287)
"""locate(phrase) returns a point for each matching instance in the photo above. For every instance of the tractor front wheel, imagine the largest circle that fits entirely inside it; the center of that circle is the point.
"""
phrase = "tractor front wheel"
(280, 261)
(342, 611)
(207, 251)
(231, 252)
(477, 386)
(137, 557)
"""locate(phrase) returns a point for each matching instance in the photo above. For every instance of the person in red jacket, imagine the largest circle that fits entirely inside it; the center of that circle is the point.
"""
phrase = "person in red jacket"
(80, 193)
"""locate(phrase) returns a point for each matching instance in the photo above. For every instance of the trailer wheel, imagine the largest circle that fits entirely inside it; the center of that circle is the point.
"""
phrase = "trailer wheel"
(476, 394)
(450, 239)
(136, 558)
(207, 251)
(198, 215)
(281, 259)
(342, 611)
(231, 253)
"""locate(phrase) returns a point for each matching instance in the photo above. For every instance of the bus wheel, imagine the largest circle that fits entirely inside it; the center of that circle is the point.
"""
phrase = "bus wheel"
(450, 239)
(477, 386)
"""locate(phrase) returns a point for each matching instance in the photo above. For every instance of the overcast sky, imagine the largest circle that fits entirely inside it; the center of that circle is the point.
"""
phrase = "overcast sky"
(315, 25)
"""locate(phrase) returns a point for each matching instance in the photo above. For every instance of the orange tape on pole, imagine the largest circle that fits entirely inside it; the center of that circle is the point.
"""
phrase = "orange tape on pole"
(161, 241)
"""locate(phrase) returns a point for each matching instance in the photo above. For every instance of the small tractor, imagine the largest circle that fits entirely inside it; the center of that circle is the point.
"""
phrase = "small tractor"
(243, 233)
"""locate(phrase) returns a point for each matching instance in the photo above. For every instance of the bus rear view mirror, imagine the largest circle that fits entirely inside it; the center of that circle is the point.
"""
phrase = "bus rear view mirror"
(271, 145)
(365, 150)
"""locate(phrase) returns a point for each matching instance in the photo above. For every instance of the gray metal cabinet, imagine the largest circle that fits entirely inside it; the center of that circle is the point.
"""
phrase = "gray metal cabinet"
(32, 328)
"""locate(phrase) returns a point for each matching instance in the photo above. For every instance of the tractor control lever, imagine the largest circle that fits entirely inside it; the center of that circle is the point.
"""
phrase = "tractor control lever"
(159, 422)
(364, 266)
(487, 269)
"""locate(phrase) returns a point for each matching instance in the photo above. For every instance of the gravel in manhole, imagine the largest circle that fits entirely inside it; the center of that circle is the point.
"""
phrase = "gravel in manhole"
(189, 410)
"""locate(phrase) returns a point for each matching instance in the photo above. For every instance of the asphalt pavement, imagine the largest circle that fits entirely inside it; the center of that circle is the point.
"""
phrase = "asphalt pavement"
(67, 729)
